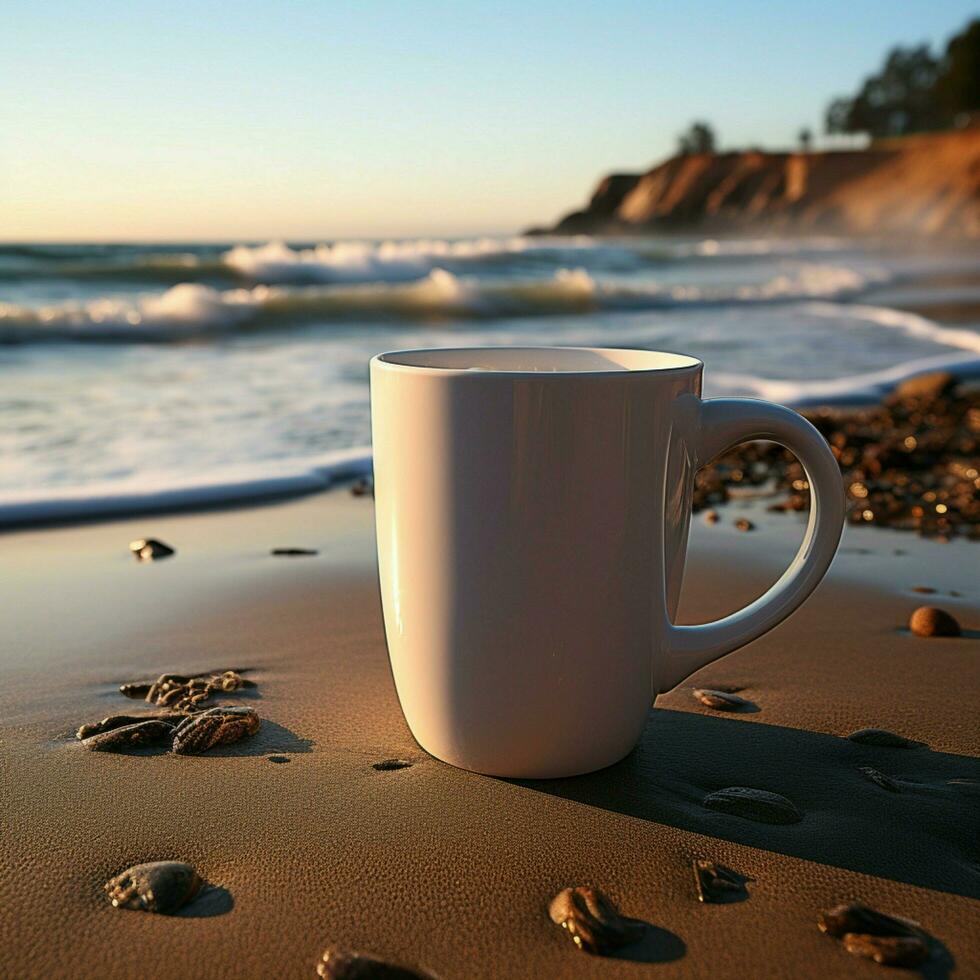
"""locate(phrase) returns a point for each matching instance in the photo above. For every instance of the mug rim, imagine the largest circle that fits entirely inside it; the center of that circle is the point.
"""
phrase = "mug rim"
(388, 360)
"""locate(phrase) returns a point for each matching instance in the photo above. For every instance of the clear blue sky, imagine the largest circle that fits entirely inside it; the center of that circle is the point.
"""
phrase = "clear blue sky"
(258, 120)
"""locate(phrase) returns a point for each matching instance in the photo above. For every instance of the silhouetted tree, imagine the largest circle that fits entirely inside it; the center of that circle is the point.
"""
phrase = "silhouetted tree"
(958, 86)
(899, 99)
(699, 138)
(806, 139)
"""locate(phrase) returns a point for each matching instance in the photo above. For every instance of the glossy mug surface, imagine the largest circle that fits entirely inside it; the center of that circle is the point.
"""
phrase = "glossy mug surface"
(533, 507)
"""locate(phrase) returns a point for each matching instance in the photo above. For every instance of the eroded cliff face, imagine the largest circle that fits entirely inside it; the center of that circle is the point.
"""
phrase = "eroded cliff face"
(927, 185)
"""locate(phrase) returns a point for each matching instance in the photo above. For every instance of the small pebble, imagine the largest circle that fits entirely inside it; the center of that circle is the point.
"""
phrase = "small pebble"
(159, 886)
(719, 700)
(362, 487)
(214, 727)
(592, 921)
(924, 589)
(880, 779)
(715, 883)
(153, 731)
(390, 765)
(753, 804)
(711, 517)
(878, 736)
(905, 951)
(121, 721)
(339, 964)
(744, 524)
(149, 549)
(137, 690)
(294, 552)
(931, 621)
(885, 939)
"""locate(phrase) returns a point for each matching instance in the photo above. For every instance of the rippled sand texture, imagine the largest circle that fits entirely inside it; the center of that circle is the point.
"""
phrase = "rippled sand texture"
(356, 840)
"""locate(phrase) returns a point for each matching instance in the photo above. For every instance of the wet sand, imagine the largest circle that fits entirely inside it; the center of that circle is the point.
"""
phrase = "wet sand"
(445, 870)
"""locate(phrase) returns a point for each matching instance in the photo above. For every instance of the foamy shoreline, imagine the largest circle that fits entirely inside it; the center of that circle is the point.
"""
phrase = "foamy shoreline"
(120, 400)
(238, 485)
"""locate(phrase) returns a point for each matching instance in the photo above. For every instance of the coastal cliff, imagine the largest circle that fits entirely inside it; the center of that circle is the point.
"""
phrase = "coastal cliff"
(924, 186)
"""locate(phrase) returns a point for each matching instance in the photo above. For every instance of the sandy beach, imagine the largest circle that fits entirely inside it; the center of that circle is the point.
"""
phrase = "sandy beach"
(309, 846)
(256, 264)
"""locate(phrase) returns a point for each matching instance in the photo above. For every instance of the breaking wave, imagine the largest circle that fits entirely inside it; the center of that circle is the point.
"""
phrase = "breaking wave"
(352, 261)
(277, 263)
(195, 309)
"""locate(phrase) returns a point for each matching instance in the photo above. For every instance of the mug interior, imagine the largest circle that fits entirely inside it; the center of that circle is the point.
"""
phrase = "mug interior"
(575, 360)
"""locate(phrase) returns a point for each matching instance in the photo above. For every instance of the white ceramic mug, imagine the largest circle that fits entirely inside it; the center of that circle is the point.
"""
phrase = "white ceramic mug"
(533, 506)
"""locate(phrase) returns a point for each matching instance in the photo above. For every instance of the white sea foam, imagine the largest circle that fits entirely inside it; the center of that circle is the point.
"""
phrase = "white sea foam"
(124, 429)
(390, 261)
(276, 478)
(908, 323)
(726, 247)
(230, 485)
(185, 308)
(852, 390)
(193, 308)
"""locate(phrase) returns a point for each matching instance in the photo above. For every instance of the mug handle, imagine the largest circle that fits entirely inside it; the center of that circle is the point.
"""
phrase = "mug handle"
(721, 424)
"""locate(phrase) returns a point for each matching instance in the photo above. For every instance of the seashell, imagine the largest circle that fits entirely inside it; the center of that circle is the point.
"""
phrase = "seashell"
(150, 549)
(719, 700)
(592, 921)
(135, 690)
(753, 804)
(713, 881)
(228, 680)
(163, 684)
(216, 726)
(339, 964)
(119, 721)
(858, 918)
(888, 950)
(931, 621)
(159, 886)
(880, 779)
(172, 695)
(153, 731)
(711, 517)
(183, 693)
(878, 736)
(744, 524)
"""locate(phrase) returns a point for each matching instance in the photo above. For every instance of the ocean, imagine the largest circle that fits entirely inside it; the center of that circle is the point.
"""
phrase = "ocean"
(135, 376)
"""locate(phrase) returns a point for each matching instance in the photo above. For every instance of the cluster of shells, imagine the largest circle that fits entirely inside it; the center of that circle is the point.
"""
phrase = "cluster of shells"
(186, 723)
(595, 925)
(886, 939)
(588, 917)
(181, 693)
(910, 463)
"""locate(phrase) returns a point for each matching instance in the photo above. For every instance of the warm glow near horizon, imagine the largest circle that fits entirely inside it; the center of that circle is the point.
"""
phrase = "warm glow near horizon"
(137, 122)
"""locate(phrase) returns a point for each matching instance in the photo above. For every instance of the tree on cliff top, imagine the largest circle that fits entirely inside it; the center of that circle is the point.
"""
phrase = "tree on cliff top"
(698, 138)
(899, 99)
(914, 90)
(958, 87)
